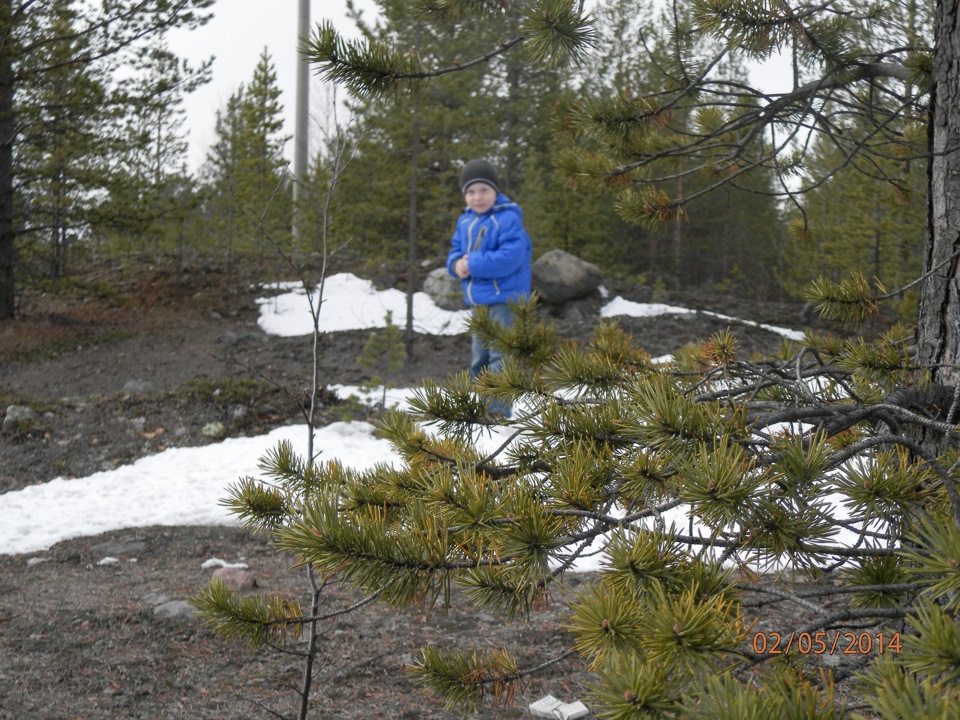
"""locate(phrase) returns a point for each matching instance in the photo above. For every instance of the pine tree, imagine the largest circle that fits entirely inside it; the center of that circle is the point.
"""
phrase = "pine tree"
(383, 353)
(374, 207)
(64, 138)
(498, 111)
(151, 191)
(710, 238)
(608, 443)
(870, 220)
(260, 185)
(90, 49)
(326, 172)
(249, 198)
(222, 164)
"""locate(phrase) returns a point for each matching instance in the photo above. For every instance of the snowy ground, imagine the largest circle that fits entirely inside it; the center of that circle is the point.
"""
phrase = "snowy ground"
(184, 486)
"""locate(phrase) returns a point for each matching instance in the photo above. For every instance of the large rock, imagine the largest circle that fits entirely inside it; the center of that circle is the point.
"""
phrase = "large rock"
(559, 277)
(445, 290)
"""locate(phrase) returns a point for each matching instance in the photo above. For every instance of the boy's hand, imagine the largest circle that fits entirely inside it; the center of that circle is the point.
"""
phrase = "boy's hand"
(462, 268)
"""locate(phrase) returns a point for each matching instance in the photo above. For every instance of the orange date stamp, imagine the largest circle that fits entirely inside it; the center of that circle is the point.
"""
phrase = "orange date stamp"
(820, 643)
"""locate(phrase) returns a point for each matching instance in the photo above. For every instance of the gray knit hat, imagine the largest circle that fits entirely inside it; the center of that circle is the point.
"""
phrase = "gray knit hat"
(479, 171)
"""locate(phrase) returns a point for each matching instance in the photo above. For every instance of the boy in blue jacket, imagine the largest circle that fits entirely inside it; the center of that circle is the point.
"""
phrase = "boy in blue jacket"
(490, 252)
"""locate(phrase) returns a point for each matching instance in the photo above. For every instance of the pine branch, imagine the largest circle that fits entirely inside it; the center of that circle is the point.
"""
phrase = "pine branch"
(373, 69)
(465, 680)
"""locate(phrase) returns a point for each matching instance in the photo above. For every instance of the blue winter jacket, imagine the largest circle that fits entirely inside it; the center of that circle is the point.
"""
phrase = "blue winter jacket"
(499, 251)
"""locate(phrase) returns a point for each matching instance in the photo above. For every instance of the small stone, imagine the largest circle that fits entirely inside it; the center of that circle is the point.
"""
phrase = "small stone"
(118, 548)
(236, 578)
(18, 419)
(154, 599)
(138, 388)
(175, 609)
(214, 430)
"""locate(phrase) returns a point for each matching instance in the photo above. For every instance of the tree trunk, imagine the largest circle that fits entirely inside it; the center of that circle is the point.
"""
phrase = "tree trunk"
(938, 323)
(678, 239)
(7, 131)
(511, 168)
(414, 231)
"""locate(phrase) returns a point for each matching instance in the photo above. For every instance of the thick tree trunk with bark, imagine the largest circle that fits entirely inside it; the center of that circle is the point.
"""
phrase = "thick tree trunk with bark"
(7, 132)
(938, 325)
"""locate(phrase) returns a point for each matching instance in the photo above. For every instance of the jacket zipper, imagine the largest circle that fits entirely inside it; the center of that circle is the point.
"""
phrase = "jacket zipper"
(476, 246)
(483, 231)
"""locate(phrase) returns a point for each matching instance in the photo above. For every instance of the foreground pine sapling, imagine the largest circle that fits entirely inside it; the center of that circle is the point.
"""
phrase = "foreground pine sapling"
(265, 504)
(718, 491)
(717, 488)
(384, 352)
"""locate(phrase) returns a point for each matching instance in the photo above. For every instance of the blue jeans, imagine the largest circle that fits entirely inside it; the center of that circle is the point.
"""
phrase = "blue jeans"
(482, 356)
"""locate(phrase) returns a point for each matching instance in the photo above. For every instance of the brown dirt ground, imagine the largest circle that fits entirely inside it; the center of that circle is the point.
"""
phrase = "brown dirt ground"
(81, 640)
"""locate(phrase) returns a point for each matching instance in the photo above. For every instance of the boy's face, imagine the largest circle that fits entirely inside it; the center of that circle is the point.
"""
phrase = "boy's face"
(480, 197)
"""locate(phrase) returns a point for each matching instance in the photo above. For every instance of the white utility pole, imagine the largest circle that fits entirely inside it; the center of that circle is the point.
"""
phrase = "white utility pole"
(301, 131)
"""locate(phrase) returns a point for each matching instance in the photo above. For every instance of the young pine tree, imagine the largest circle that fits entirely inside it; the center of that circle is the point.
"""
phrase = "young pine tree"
(384, 352)
(713, 488)
(249, 199)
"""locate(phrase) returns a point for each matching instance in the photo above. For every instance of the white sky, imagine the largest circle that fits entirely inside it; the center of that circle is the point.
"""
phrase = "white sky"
(184, 486)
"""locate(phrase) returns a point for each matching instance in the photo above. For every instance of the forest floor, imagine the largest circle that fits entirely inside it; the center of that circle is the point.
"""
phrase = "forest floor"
(122, 362)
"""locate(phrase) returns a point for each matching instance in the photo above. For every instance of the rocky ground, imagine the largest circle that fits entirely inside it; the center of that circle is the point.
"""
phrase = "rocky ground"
(125, 363)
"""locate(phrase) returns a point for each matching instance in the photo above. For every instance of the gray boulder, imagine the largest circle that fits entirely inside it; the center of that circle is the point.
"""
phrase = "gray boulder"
(560, 277)
(444, 290)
